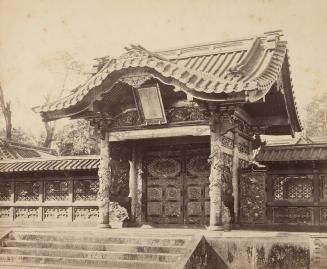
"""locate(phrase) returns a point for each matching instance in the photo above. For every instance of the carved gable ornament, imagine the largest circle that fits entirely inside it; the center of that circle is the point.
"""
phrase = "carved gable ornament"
(135, 81)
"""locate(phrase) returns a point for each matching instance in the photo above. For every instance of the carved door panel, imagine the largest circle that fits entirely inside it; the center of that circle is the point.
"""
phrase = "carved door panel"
(196, 187)
(164, 187)
(177, 188)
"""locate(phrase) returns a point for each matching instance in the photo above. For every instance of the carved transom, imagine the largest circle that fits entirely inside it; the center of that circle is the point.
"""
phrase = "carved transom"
(198, 166)
(164, 167)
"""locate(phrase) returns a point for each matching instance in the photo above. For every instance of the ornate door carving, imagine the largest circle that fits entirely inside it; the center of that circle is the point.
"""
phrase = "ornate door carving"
(177, 186)
(196, 186)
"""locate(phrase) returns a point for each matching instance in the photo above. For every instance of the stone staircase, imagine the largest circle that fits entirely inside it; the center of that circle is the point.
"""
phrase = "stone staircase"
(318, 252)
(88, 249)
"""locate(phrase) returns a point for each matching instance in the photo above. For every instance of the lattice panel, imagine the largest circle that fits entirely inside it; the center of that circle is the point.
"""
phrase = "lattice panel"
(56, 190)
(86, 190)
(56, 213)
(26, 213)
(86, 213)
(323, 215)
(4, 212)
(323, 182)
(292, 188)
(5, 191)
(27, 190)
(293, 215)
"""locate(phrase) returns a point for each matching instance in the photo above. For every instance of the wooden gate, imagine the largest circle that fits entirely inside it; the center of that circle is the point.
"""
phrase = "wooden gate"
(177, 185)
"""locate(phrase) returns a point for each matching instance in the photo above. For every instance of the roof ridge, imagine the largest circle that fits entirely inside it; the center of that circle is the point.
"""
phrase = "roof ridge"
(225, 41)
(14, 143)
(54, 158)
(269, 147)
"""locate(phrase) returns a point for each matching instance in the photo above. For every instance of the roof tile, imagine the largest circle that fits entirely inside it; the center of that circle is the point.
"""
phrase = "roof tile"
(59, 163)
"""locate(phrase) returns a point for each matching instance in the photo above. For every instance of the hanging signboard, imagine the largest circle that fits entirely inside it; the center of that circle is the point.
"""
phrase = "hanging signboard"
(150, 105)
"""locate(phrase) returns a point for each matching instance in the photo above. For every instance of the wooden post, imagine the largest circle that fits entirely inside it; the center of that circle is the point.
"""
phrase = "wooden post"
(104, 173)
(235, 176)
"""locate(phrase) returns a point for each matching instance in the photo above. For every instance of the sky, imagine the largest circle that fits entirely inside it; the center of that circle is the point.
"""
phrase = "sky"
(36, 36)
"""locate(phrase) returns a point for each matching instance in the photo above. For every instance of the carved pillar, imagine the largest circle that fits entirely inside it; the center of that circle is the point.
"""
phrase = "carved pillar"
(133, 183)
(104, 173)
(139, 212)
(219, 213)
(215, 182)
(235, 176)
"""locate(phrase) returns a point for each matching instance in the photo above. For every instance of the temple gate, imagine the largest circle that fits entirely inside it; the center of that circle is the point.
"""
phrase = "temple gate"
(189, 118)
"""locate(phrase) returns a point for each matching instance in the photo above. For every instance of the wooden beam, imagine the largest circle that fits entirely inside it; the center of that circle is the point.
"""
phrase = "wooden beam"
(200, 130)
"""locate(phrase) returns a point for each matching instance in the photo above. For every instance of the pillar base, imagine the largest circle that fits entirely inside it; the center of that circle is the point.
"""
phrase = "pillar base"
(104, 226)
(227, 228)
(215, 228)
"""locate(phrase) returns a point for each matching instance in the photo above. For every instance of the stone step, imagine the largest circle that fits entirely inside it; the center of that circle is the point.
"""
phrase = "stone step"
(93, 246)
(131, 264)
(45, 266)
(88, 254)
(106, 239)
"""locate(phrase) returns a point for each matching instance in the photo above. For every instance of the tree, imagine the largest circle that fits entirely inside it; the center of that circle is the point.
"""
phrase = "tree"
(6, 111)
(68, 66)
(74, 139)
(316, 116)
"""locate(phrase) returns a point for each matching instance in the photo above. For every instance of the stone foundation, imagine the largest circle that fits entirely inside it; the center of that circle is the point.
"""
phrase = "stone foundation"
(281, 252)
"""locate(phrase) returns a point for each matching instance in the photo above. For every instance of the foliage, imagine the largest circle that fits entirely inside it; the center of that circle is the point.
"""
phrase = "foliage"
(316, 116)
(6, 112)
(21, 136)
(74, 139)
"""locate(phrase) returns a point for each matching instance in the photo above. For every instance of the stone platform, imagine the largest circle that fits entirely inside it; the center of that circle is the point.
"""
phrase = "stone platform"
(158, 248)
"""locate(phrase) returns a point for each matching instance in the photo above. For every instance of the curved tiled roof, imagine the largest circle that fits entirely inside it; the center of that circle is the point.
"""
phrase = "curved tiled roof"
(293, 153)
(68, 163)
(248, 66)
(14, 150)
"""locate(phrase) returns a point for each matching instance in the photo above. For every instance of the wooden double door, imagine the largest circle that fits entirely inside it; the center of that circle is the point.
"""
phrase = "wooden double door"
(177, 185)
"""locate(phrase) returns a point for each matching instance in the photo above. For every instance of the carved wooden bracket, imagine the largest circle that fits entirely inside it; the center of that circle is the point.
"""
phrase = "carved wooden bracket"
(136, 81)
(101, 124)
(226, 121)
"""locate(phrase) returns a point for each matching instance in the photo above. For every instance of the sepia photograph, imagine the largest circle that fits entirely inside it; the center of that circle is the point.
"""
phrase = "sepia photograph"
(167, 134)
